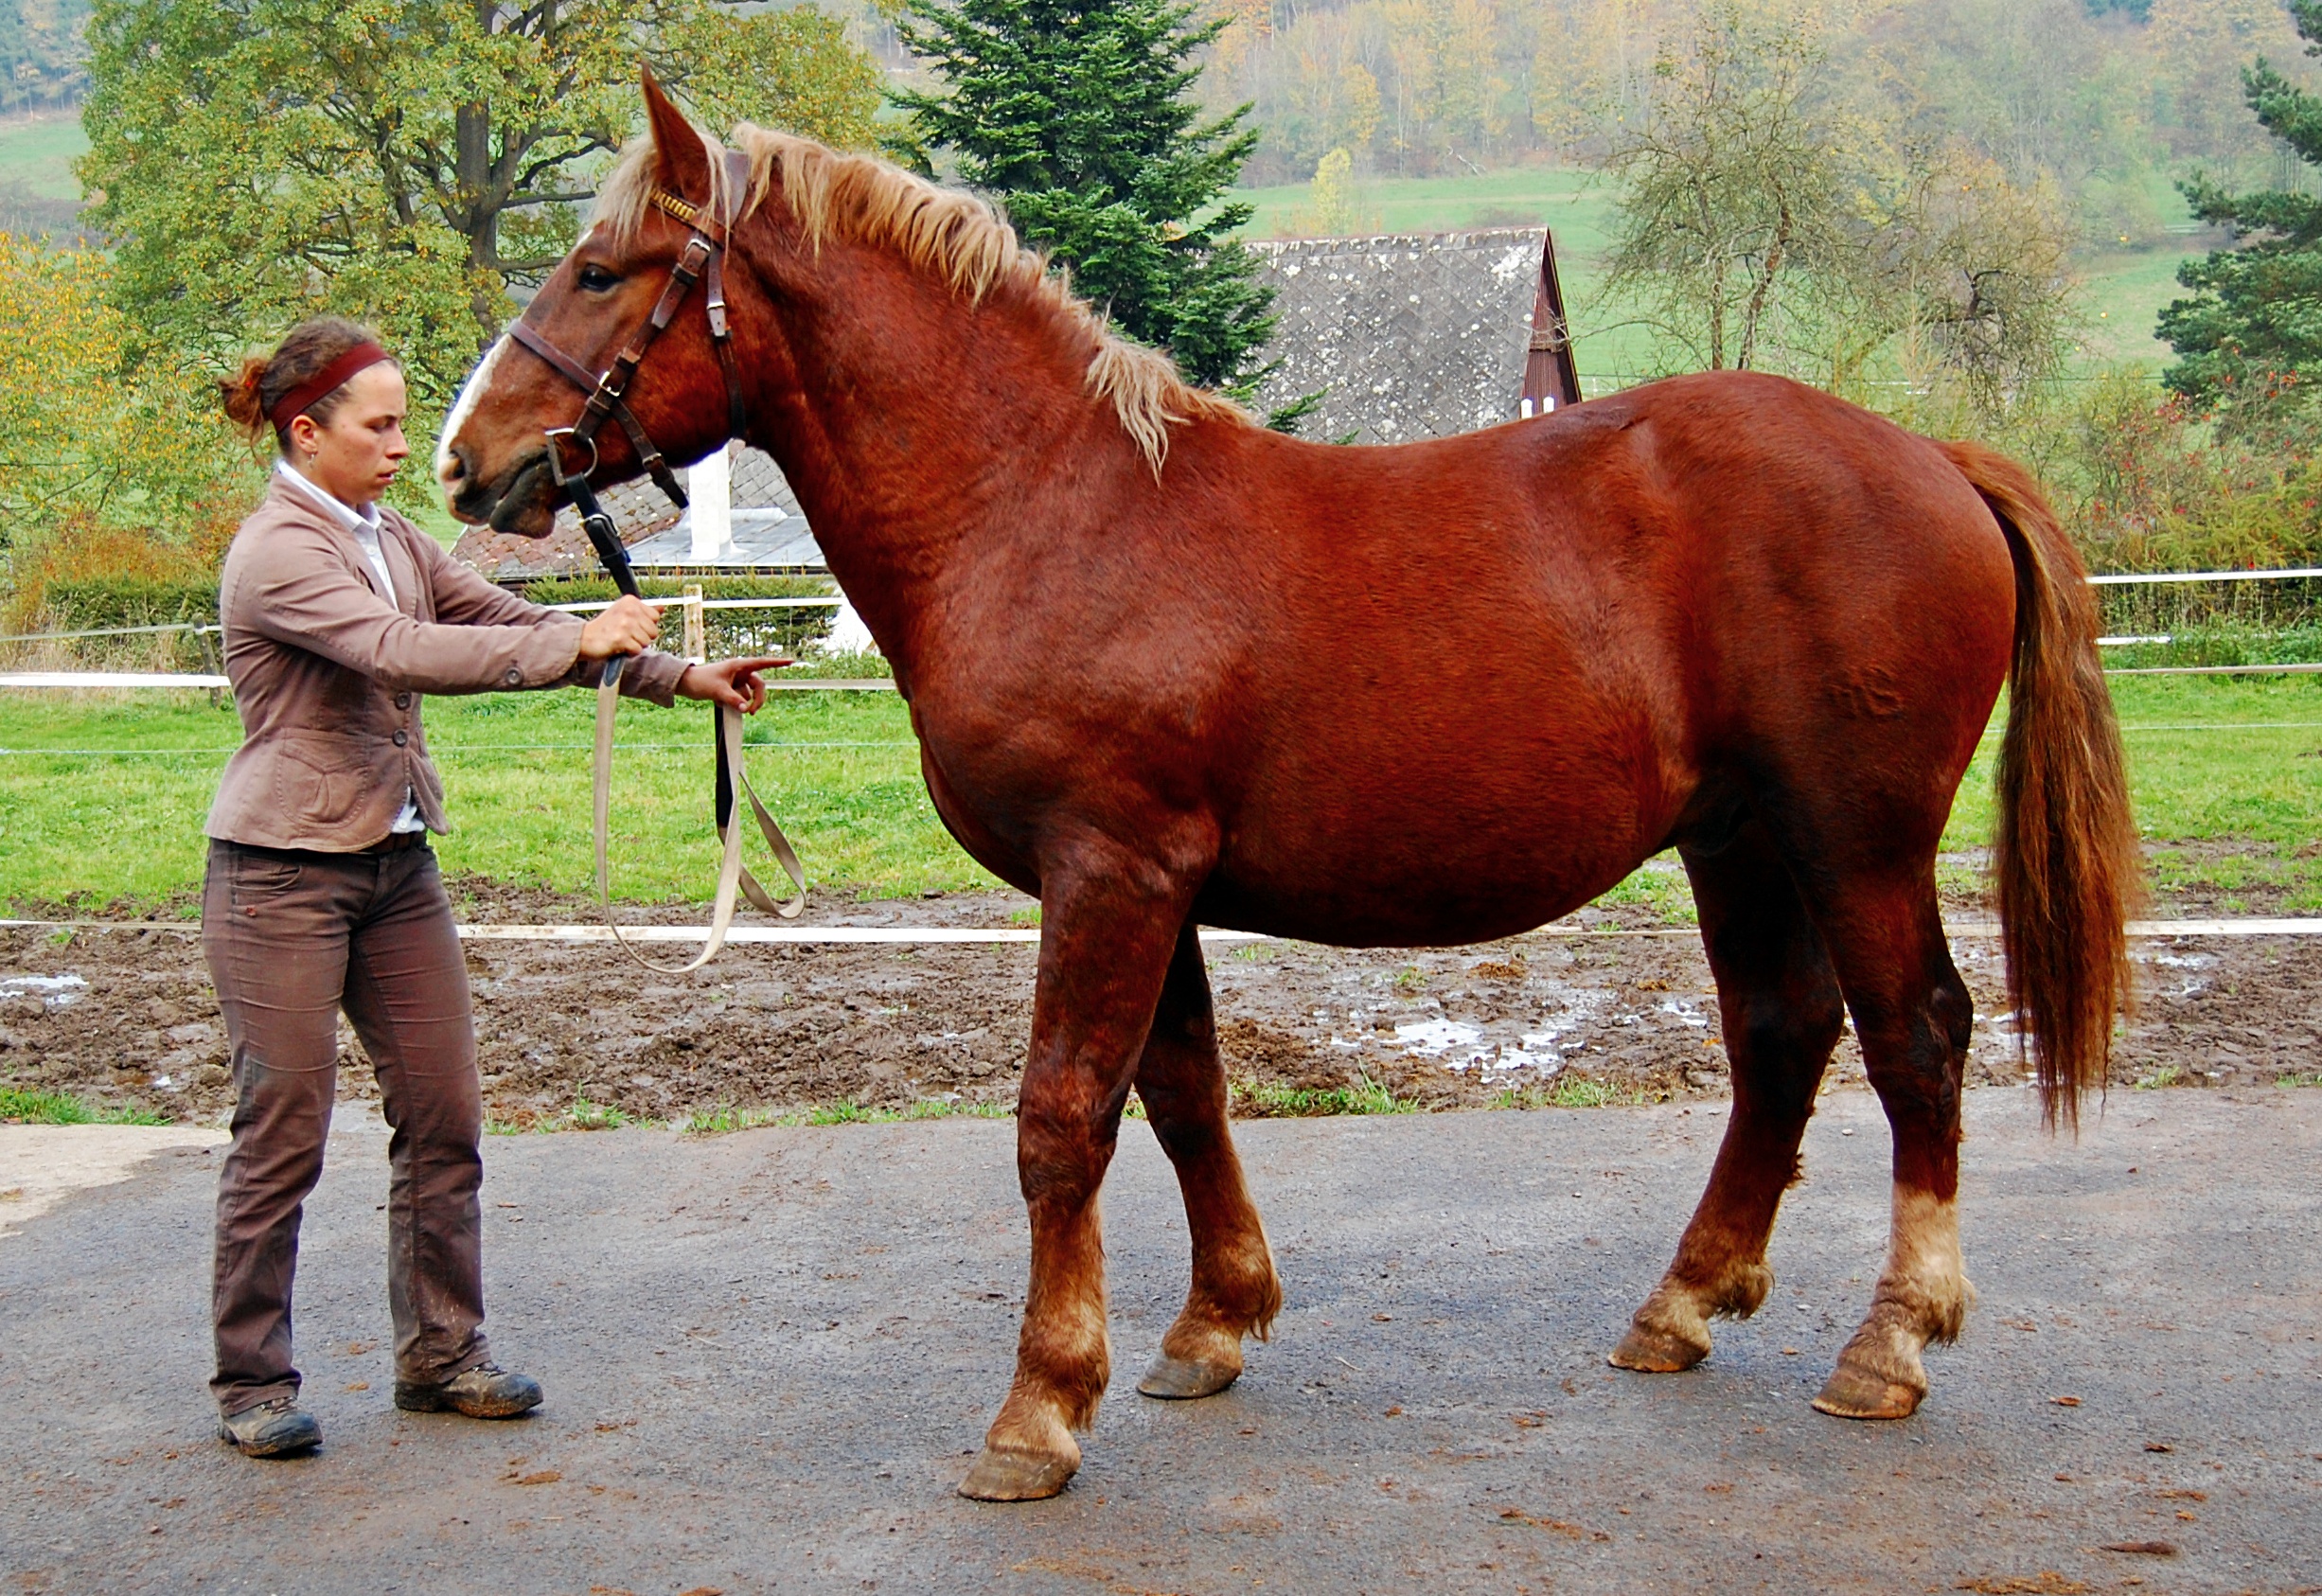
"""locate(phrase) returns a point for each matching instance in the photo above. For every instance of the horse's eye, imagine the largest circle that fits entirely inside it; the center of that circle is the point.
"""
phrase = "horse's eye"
(596, 279)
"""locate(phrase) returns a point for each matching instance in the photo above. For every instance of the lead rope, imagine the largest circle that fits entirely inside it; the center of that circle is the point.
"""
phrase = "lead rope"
(732, 875)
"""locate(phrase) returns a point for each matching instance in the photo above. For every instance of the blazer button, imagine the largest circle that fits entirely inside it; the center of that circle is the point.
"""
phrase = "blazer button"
(515, 677)
(401, 737)
(402, 700)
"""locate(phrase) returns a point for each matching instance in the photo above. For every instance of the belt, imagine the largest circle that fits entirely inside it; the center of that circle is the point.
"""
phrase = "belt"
(396, 843)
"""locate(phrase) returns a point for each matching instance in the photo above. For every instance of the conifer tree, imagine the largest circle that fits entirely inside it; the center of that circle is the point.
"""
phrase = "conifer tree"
(1075, 113)
(2251, 337)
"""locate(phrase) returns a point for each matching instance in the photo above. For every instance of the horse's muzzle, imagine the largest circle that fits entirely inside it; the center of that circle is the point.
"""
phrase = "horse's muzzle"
(522, 501)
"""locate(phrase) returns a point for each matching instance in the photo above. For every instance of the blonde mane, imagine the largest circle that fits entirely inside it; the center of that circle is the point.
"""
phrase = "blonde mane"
(944, 232)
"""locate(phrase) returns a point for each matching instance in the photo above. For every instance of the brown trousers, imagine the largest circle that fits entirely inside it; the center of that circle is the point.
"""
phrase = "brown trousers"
(291, 938)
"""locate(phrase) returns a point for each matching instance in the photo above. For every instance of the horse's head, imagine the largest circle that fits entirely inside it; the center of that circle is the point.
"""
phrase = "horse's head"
(494, 462)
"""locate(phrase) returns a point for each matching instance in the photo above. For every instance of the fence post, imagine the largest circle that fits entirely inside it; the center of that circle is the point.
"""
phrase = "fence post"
(697, 626)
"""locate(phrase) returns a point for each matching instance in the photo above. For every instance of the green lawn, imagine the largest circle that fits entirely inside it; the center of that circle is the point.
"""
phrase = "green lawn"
(120, 815)
(39, 152)
(2126, 294)
(2210, 758)
(127, 823)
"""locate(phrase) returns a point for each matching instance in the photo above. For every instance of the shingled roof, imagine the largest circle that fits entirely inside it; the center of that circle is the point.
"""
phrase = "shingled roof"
(1405, 335)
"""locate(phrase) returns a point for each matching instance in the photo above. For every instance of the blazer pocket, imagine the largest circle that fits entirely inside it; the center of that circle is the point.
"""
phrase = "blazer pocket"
(320, 780)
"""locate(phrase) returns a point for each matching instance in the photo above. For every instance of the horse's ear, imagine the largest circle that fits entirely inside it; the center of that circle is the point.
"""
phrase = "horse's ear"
(681, 160)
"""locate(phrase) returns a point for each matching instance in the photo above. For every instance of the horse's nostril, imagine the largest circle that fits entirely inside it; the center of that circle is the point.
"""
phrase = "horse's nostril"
(455, 468)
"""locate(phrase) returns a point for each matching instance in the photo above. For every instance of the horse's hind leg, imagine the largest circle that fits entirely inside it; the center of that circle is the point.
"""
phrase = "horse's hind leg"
(1234, 1291)
(1780, 1001)
(1913, 1014)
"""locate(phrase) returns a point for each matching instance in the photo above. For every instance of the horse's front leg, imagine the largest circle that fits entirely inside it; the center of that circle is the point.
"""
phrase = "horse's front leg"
(1107, 929)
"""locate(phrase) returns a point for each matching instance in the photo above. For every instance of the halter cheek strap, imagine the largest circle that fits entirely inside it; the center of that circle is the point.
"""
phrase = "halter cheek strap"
(702, 261)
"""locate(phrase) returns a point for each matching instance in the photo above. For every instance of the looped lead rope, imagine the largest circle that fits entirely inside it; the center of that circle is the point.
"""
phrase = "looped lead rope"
(732, 878)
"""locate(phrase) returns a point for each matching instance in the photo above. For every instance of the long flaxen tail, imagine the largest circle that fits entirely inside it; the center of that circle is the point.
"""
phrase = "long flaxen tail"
(2064, 852)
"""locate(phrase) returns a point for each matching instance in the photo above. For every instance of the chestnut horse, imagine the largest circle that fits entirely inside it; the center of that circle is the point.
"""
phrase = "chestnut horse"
(1168, 668)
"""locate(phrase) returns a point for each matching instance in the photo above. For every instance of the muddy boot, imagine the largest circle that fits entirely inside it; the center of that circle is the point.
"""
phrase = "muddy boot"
(271, 1430)
(485, 1392)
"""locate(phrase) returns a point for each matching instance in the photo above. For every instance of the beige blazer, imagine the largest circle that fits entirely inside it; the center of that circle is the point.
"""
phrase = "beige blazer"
(329, 675)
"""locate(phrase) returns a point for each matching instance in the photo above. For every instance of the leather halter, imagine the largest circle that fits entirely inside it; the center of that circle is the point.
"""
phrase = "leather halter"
(703, 258)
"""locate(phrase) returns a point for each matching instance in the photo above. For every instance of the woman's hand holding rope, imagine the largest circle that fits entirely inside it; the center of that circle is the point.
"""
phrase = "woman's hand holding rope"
(629, 626)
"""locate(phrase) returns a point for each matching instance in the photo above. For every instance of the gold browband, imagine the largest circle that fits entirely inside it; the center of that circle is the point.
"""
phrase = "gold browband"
(689, 214)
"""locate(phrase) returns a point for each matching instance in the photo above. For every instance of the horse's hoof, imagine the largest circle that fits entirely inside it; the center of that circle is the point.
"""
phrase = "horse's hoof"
(1016, 1476)
(1855, 1393)
(1177, 1379)
(1654, 1351)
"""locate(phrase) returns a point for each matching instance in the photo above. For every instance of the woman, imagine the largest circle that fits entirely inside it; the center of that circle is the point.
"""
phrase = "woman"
(322, 892)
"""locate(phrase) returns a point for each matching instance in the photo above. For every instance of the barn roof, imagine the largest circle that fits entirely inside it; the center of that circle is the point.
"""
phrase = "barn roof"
(1405, 335)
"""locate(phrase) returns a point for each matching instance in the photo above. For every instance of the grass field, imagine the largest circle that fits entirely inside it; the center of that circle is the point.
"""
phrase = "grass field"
(126, 822)
(23, 1106)
(39, 151)
(104, 800)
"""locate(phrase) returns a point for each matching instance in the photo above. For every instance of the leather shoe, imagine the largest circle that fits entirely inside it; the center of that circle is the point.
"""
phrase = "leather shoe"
(485, 1392)
(271, 1430)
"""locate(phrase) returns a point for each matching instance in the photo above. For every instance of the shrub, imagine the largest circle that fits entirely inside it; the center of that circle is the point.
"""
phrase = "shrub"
(131, 601)
(2146, 485)
(87, 576)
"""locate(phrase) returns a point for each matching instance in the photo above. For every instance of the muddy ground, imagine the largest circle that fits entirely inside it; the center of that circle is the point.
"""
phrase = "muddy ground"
(125, 1018)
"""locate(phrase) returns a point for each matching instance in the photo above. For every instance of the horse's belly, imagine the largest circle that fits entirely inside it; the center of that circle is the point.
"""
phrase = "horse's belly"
(1432, 859)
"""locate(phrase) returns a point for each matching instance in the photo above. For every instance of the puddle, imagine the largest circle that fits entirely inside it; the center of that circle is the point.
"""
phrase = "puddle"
(57, 992)
(1432, 1038)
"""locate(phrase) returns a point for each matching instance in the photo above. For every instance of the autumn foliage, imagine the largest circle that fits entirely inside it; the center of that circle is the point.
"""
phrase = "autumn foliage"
(100, 475)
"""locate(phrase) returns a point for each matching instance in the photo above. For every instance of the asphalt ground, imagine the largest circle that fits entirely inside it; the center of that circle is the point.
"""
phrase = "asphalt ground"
(770, 1354)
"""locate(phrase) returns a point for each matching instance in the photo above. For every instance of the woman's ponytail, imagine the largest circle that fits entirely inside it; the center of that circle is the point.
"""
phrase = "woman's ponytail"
(244, 403)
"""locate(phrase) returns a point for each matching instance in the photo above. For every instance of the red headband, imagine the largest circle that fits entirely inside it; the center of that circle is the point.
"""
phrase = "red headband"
(291, 406)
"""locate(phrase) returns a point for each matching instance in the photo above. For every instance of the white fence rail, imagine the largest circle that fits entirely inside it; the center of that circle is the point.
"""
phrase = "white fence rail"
(695, 606)
(838, 601)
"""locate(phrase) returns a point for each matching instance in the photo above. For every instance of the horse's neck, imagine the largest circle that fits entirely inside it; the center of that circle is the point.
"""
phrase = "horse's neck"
(922, 429)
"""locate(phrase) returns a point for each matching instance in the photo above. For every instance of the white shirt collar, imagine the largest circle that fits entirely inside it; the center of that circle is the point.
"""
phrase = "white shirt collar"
(364, 519)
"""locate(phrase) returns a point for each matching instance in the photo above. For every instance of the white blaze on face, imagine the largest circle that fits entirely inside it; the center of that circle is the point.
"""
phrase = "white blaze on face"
(478, 380)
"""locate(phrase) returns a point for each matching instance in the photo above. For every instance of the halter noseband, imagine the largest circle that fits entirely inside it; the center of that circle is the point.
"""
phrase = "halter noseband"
(702, 258)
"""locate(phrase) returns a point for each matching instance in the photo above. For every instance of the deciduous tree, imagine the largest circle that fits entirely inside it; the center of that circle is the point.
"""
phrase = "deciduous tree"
(1732, 194)
(403, 161)
(79, 443)
(1766, 224)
